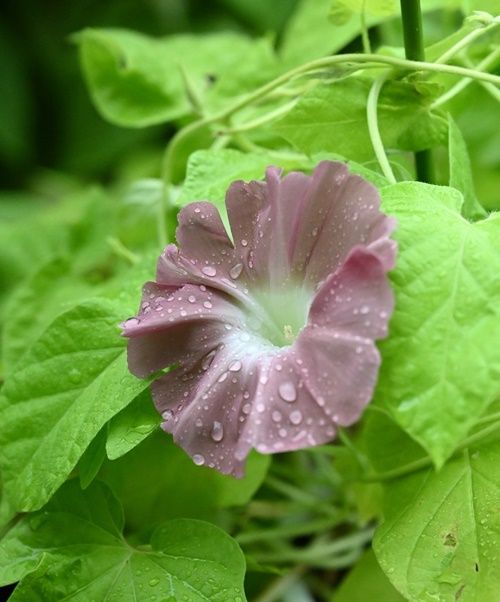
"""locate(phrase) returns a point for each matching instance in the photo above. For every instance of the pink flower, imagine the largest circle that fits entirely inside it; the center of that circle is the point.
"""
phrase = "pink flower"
(271, 334)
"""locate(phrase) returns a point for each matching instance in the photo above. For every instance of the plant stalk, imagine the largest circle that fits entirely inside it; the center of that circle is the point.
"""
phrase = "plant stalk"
(411, 15)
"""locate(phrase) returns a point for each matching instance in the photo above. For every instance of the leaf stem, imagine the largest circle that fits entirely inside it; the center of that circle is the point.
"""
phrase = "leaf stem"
(254, 123)
(292, 530)
(370, 61)
(411, 15)
(364, 30)
(486, 63)
(427, 460)
(371, 116)
(465, 41)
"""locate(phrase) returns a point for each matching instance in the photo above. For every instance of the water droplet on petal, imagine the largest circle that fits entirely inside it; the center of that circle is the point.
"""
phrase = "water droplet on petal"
(198, 459)
(209, 270)
(296, 417)
(222, 377)
(276, 416)
(244, 242)
(287, 391)
(235, 366)
(131, 322)
(217, 432)
(167, 415)
(236, 270)
(364, 309)
(207, 304)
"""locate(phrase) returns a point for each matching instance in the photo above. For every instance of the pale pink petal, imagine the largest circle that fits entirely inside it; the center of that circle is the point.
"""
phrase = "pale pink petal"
(205, 254)
(341, 371)
(302, 228)
(357, 299)
(205, 406)
(174, 325)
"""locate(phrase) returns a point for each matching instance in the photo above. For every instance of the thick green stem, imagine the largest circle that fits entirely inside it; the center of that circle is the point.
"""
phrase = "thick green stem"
(414, 50)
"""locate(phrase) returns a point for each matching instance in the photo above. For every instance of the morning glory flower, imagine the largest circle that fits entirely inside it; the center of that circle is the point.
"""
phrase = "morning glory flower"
(271, 332)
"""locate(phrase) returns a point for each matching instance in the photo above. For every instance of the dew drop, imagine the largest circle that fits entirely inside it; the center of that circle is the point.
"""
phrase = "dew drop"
(192, 299)
(287, 391)
(222, 377)
(296, 417)
(235, 366)
(276, 416)
(167, 415)
(236, 270)
(217, 432)
(198, 459)
(207, 304)
(364, 309)
(75, 375)
(131, 322)
(244, 242)
(209, 270)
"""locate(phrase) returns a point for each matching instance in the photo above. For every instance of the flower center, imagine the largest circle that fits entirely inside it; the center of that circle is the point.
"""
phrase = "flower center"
(281, 314)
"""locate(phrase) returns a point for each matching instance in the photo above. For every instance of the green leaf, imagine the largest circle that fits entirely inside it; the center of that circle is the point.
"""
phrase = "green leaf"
(71, 382)
(341, 11)
(34, 304)
(312, 34)
(366, 581)
(199, 491)
(440, 367)
(332, 118)
(440, 534)
(74, 550)
(131, 426)
(136, 81)
(210, 172)
(461, 172)
(91, 461)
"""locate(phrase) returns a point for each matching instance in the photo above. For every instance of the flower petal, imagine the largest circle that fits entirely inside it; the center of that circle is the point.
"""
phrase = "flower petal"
(341, 371)
(176, 325)
(205, 254)
(357, 299)
(304, 227)
(204, 407)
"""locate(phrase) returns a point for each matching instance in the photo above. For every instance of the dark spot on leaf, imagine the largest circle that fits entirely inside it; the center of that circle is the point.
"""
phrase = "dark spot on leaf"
(459, 592)
(450, 540)
(211, 78)
(476, 567)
